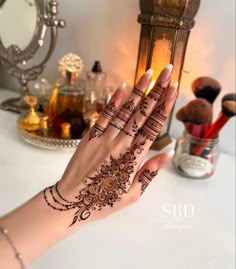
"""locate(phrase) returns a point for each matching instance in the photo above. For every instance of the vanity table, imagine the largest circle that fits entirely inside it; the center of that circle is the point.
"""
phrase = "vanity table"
(179, 223)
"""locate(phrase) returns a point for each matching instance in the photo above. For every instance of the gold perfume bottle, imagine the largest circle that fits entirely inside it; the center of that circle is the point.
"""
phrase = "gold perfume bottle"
(70, 97)
(30, 121)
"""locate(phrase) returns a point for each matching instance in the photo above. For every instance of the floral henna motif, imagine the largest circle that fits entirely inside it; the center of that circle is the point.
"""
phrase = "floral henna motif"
(135, 130)
(145, 178)
(143, 107)
(96, 131)
(109, 111)
(104, 189)
(154, 124)
(126, 111)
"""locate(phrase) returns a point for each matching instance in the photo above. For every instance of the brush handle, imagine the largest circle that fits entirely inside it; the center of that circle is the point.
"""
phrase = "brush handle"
(199, 130)
(216, 126)
(211, 133)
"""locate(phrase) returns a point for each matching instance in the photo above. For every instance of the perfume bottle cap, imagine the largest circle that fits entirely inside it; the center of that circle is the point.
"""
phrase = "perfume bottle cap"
(97, 67)
(71, 76)
(65, 130)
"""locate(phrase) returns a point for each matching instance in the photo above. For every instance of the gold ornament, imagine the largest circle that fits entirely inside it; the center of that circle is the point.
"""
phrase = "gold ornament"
(31, 121)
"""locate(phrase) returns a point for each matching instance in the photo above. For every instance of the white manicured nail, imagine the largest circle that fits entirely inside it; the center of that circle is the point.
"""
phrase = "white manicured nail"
(170, 67)
(171, 153)
(123, 86)
(149, 72)
(175, 85)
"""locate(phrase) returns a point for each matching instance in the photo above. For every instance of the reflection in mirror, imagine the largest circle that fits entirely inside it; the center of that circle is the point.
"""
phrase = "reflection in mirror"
(17, 31)
(23, 25)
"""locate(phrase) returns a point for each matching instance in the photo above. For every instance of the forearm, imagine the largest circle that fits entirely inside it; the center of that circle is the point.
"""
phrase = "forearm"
(33, 228)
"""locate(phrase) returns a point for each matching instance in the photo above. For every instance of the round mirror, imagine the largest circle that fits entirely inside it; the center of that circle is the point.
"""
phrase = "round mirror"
(23, 26)
(15, 28)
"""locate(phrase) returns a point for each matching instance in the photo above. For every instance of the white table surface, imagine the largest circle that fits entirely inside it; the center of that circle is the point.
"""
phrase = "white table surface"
(141, 236)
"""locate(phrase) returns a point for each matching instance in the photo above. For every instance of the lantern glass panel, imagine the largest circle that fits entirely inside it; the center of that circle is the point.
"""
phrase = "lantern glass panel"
(143, 51)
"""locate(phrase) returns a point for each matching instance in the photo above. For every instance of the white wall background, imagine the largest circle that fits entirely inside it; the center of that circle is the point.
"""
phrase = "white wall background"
(107, 30)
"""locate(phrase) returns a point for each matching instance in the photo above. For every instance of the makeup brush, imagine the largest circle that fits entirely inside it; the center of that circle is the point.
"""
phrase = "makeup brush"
(228, 111)
(229, 97)
(182, 116)
(199, 112)
(207, 88)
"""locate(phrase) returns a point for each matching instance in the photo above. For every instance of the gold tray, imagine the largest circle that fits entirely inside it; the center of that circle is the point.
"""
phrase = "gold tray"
(47, 142)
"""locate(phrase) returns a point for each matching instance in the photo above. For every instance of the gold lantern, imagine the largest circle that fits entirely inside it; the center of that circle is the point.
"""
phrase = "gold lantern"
(165, 30)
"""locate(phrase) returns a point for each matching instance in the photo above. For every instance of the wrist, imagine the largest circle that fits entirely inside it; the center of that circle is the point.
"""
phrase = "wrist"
(36, 224)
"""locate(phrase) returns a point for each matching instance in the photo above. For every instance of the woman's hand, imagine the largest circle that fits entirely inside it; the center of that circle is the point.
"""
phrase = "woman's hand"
(104, 174)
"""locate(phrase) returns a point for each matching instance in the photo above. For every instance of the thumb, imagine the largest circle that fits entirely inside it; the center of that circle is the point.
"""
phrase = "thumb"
(148, 171)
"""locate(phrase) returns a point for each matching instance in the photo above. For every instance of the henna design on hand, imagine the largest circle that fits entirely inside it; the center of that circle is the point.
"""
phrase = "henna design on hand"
(138, 92)
(143, 107)
(96, 131)
(109, 111)
(157, 92)
(145, 178)
(104, 189)
(126, 111)
(154, 124)
(135, 130)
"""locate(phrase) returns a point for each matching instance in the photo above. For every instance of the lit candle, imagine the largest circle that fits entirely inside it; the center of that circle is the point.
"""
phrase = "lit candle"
(150, 87)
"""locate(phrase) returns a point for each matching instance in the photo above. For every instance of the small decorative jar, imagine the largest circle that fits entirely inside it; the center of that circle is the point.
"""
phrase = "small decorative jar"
(196, 157)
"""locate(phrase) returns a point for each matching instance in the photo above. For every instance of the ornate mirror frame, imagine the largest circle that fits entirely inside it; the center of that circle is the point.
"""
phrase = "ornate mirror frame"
(15, 60)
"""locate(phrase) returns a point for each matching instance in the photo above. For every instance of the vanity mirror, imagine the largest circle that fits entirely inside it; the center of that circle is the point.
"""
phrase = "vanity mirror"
(23, 27)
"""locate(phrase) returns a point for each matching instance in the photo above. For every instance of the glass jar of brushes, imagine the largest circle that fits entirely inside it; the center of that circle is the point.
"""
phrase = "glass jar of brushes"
(196, 157)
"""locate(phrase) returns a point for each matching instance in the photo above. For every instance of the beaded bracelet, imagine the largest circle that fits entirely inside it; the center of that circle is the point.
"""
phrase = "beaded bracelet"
(19, 256)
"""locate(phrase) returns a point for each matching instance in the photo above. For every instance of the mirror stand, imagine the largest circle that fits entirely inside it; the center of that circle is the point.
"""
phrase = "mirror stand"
(14, 60)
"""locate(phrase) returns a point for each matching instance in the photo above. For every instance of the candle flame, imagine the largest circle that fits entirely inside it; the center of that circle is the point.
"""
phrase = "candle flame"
(150, 87)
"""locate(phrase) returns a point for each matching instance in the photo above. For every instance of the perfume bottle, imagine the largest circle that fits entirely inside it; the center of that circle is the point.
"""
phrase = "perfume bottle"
(43, 131)
(95, 88)
(70, 97)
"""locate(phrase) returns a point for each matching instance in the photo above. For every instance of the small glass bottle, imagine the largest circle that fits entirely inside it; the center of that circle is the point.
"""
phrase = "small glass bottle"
(44, 126)
(95, 88)
(70, 95)
(196, 157)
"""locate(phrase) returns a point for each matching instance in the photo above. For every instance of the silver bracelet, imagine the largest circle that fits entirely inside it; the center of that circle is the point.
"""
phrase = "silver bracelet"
(19, 256)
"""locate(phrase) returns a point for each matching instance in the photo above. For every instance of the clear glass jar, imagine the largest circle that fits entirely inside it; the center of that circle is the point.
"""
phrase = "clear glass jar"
(196, 157)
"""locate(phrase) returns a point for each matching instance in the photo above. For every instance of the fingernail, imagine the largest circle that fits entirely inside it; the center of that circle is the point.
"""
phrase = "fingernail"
(123, 86)
(170, 67)
(165, 76)
(166, 157)
(149, 72)
(171, 153)
(174, 85)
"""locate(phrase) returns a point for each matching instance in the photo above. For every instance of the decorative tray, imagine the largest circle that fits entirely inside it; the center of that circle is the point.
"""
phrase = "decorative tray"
(48, 142)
